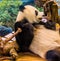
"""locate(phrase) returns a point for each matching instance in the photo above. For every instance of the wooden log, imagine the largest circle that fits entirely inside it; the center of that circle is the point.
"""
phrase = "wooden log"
(54, 15)
(51, 10)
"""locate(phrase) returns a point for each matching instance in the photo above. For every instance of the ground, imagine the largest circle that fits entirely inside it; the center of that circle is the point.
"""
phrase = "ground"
(28, 57)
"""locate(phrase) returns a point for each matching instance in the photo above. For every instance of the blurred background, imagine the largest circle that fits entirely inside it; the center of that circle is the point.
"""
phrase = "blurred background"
(9, 9)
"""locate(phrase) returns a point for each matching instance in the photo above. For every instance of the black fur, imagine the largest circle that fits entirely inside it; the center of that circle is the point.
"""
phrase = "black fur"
(53, 55)
(24, 38)
(21, 8)
(49, 24)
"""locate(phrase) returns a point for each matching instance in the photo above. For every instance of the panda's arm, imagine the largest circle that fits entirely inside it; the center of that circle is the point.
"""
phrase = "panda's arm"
(18, 25)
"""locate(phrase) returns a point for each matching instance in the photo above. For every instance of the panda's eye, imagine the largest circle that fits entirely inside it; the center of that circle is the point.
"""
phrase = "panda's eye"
(36, 12)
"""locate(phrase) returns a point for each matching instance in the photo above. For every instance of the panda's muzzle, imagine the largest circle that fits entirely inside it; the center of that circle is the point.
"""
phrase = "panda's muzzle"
(39, 18)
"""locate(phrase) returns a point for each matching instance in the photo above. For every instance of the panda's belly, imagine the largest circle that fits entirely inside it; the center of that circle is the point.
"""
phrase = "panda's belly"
(44, 40)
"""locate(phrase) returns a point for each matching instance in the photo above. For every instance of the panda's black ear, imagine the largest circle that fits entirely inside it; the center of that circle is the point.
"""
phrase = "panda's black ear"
(21, 8)
(36, 12)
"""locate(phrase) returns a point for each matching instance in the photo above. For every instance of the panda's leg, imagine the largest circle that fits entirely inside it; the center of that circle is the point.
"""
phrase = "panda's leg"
(53, 55)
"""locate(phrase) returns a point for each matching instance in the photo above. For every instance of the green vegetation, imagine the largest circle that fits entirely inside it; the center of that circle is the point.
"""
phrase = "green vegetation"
(39, 8)
(8, 11)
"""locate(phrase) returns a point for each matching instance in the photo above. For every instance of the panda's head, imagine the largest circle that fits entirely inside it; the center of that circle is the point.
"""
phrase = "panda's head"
(30, 13)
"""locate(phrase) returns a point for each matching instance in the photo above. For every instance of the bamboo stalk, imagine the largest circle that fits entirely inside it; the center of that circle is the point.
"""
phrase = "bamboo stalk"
(13, 35)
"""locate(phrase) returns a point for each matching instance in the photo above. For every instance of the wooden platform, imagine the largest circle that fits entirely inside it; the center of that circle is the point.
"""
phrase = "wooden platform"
(28, 57)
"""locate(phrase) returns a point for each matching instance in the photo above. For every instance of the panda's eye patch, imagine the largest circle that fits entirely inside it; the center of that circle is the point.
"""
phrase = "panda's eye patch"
(36, 12)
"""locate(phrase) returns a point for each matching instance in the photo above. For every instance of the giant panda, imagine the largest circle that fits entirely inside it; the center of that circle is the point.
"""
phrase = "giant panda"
(27, 17)
(42, 41)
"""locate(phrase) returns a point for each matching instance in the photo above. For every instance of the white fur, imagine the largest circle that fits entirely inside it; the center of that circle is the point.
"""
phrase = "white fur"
(29, 14)
(44, 40)
(20, 16)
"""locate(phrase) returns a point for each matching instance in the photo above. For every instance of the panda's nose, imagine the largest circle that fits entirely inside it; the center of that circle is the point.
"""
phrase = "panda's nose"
(39, 18)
